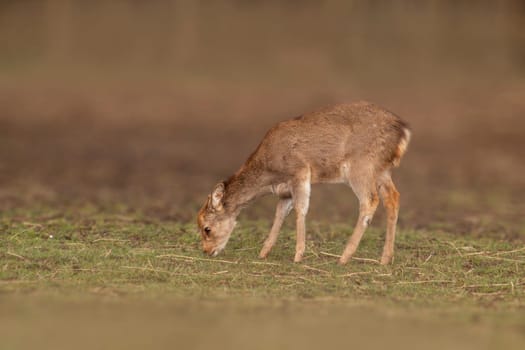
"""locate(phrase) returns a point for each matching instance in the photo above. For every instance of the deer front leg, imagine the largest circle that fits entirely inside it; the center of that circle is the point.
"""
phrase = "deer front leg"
(301, 197)
(283, 209)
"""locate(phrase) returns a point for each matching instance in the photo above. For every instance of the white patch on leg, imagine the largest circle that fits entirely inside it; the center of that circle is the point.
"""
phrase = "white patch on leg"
(366, 220)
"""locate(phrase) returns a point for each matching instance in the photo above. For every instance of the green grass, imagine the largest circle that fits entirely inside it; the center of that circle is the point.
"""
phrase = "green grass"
(119, 255)
(123, 253)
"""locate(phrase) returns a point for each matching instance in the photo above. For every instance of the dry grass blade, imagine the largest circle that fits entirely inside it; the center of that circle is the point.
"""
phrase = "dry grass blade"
(17, 281)
(454, 246)
(353, 258)
(329, 254)
(355, 273)
(502, 259)
(191, 258)
(86, 270)
(124, 218)
(264, 263)
(496, 253)
(423, 282)
(110, 240)
(32, 224)
(17, 256)
(510, 284)
(509, 251)
(302, 278)
(487, 294)
(366, 260)
(146, 269)
(476, 253)
(311, 268)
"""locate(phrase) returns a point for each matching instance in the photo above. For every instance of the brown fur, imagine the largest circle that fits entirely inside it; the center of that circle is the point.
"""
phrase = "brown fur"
(357, 144)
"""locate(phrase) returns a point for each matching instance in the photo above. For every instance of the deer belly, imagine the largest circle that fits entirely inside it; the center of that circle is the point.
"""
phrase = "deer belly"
(336, 173)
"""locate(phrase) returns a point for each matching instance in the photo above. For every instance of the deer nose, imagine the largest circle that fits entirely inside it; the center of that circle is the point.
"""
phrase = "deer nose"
(211, 251)
(207, 250)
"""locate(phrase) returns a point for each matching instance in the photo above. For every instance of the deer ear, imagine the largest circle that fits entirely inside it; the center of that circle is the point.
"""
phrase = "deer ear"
(217, 195)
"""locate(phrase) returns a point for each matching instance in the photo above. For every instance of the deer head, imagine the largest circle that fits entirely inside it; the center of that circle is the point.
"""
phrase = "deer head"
(215, 222)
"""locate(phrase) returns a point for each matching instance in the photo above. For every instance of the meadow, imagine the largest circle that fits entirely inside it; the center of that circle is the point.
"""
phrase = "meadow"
(121, 270)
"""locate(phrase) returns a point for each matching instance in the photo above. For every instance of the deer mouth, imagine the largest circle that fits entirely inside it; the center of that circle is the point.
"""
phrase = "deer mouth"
(216, 251)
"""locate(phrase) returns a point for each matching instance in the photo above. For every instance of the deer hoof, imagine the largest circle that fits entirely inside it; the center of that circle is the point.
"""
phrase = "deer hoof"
(386, 259)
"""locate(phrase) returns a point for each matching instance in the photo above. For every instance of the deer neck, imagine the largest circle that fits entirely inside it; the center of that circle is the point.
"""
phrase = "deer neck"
(243, 187)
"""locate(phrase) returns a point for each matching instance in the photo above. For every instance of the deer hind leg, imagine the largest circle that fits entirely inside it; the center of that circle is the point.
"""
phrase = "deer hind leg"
(368, 202)
(390, 197)
(284, 206)
(301, 199)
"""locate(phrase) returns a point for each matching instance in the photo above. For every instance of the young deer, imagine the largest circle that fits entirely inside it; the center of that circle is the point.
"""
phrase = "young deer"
(356, 144)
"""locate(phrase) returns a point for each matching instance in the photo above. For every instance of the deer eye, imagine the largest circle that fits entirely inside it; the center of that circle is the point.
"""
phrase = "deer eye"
(207, 230)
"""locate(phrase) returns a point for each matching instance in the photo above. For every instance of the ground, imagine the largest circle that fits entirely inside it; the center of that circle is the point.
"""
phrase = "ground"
(146, 276)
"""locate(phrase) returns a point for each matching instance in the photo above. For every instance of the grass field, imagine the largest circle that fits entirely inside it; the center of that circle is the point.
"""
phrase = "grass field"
(115, 271)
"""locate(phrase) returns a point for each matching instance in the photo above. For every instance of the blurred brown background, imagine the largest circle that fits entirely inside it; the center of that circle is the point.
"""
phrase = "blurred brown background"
(148, 104)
